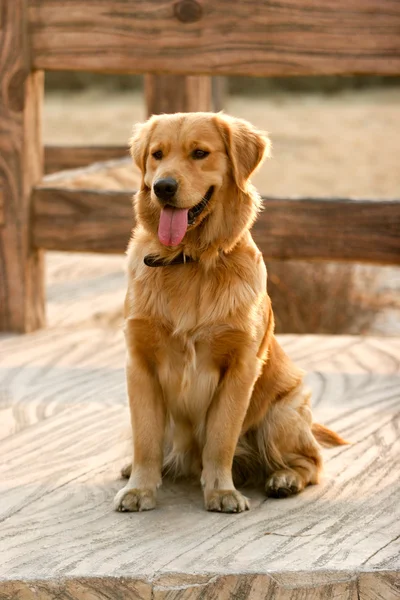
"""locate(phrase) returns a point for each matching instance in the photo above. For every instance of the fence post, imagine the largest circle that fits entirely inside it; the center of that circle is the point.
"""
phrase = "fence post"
(21, 164)
(182, 93)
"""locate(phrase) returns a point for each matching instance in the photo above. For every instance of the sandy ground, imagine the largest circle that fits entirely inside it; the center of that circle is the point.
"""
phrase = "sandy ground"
(346, 144)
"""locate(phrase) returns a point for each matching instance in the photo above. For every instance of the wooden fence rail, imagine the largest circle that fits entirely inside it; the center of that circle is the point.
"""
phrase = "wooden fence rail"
(217, 37)
(59, 158)
(304, 228)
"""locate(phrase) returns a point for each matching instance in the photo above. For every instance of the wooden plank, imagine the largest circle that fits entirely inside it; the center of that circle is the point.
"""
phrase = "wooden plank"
(216, 37)
(379, 587)
(75, 285)
(82, 588)
(219, 93)
(2, 217)
(82, 221)
(60, 537)
(309, 229)
(61, 158)
(72, 177)
(177, 93)
(114, 174)
(330, 229)
(21, 266)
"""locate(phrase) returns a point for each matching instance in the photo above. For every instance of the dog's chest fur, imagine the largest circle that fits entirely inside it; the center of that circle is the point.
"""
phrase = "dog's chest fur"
(188, 298)
(188, 312)
(189, 318)
(189, 377)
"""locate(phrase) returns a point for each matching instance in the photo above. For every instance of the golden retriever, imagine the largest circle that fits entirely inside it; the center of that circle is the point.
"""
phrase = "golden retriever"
(212, 394)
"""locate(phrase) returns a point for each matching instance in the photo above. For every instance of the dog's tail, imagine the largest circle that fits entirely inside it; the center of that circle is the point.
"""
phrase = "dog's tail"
(326, 437)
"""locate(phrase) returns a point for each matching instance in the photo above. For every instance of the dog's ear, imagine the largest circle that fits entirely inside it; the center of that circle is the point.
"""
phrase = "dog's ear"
(246, 146)
(139, 143)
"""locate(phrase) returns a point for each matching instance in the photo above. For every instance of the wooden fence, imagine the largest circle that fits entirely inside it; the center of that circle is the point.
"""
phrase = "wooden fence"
(188, 40)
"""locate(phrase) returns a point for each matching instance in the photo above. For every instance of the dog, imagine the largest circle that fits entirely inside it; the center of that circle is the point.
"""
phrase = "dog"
(212, 394)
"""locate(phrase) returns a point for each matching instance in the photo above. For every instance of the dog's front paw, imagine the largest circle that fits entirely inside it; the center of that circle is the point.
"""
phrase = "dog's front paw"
(228, 501)
(134, 500)
(284, 483)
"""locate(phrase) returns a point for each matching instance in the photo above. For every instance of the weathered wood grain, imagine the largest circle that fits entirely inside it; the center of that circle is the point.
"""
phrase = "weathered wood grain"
(380, 587)
(85, 291)
(330, 229)
(61, 158)
(82, 588)
(293, 37)
(311, 229)
(385, 586)
(64, 393)
(21, 267)
(2, 218)
(87, 221)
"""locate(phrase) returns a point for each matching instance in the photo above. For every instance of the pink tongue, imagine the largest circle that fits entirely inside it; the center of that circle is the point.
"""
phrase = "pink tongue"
(172, 226)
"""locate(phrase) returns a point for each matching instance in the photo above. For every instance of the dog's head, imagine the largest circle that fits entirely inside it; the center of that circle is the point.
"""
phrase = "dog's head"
(195, 178)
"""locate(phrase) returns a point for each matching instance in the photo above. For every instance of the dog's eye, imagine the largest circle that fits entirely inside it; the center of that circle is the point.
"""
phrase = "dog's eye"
(199, 154)
(158, 155)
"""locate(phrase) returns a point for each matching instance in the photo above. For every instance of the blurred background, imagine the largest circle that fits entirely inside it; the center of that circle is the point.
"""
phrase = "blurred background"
(331, 136)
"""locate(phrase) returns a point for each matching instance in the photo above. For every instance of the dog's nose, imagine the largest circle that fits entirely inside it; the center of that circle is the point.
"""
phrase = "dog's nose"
(165, 189)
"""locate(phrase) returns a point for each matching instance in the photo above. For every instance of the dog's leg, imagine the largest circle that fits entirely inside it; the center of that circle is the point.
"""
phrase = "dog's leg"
(300, 472)
(223, 427)
(291, 446)
(148, 425)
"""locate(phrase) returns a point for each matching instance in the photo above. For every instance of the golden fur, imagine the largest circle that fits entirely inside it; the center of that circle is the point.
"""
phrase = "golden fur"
(212, 394)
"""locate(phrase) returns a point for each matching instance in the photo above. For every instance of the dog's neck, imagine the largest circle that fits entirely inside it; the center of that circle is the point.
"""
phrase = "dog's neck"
(152, 260)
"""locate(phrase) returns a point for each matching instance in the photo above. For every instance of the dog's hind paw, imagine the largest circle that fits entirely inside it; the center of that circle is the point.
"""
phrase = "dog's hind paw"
(284, 483)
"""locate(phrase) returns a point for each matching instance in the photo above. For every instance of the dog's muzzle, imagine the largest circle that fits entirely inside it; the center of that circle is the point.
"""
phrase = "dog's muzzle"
(196, 210)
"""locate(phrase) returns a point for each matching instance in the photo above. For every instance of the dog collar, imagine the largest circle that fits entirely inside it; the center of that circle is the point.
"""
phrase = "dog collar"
(151, 260)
